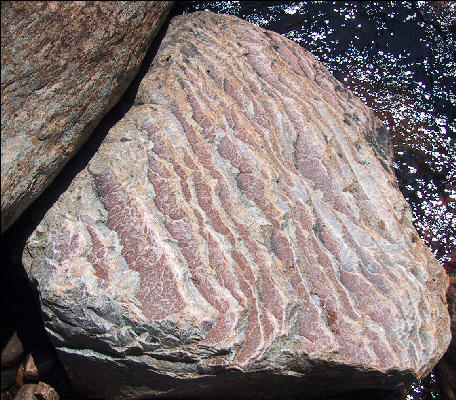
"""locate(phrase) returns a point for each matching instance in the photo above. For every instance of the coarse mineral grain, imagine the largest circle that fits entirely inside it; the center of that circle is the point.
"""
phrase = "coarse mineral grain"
(239, 231)
(64, 65)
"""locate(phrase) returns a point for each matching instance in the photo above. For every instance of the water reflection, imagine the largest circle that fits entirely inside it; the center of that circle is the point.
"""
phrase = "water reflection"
(399, 58)
(425, 389)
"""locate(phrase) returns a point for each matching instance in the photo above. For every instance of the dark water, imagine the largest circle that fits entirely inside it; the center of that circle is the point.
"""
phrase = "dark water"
(399, 58)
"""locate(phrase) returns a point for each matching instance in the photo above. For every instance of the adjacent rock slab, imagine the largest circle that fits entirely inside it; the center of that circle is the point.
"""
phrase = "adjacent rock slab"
(239, 231)
(64, 65)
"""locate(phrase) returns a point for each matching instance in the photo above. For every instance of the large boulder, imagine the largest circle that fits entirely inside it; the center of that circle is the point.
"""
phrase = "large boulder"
(239, 231)
(64, 65)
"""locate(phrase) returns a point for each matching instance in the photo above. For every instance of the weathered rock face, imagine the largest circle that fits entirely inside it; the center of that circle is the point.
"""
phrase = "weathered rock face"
(238, 231)
(64, 65)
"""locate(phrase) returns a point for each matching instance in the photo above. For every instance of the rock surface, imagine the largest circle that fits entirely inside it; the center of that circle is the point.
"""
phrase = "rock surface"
(64, 65)
(240, 231)
(12, 355)
(40, 391)
(13, 352)
(38, 365)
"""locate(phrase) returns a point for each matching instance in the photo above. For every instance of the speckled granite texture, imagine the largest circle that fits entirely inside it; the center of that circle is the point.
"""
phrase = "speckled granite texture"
(64, 65)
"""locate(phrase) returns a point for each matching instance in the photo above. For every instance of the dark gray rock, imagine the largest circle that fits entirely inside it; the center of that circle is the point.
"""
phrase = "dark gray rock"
(12, 355)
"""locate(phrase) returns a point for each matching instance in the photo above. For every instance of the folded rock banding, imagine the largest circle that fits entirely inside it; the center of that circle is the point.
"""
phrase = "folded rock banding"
(240, 231)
